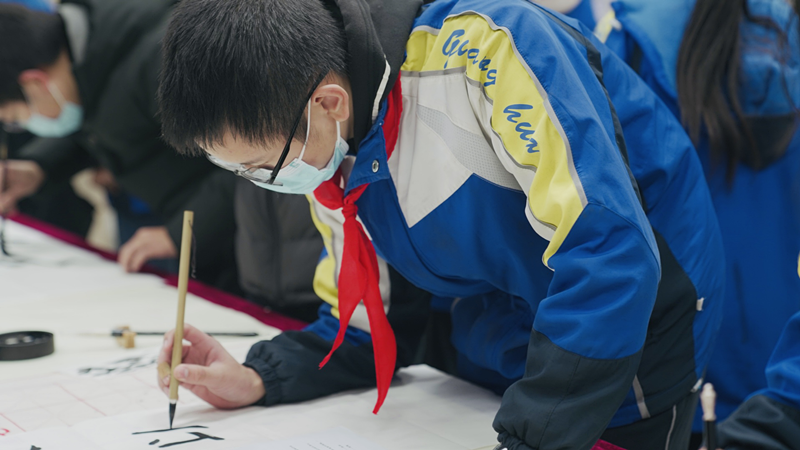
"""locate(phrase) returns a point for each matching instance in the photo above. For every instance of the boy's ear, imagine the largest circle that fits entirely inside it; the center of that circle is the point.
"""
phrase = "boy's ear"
(31, 76)
(33, 83)
(335, 100)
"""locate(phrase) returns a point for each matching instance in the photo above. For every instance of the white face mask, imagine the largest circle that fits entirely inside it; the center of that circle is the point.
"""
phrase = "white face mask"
(68, 121)
(301, 178)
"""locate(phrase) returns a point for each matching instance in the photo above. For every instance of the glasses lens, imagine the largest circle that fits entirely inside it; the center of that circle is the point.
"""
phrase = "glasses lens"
(254, 174)
(259, 176)
(224, 164)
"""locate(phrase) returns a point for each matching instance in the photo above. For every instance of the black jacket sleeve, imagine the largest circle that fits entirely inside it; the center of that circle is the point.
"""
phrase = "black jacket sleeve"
(559, 384)
(761, 423)
(289, 363)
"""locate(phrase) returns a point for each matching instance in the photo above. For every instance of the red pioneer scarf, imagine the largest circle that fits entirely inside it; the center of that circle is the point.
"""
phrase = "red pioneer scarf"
(359, 275)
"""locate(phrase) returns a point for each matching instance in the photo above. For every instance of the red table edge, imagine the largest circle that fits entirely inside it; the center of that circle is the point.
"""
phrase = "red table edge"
(603, 445)
(197, 288)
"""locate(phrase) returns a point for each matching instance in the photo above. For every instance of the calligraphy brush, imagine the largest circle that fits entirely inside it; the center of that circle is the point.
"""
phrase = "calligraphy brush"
(708, 399)
(3, 184)
(183, 285)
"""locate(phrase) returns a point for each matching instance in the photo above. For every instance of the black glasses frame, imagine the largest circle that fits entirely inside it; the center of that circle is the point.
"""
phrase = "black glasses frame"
(286, 147)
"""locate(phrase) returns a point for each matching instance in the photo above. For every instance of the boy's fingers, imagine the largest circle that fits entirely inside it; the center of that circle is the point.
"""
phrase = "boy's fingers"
(194, 374)
(124, 255)
(163, 371)
(164, 359)
(165, 354)
(203, 343)
(138, 259)
(194, 335)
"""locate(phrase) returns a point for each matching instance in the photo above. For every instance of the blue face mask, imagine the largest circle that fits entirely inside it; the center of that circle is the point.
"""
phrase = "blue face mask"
(301, 178)
(67, 122)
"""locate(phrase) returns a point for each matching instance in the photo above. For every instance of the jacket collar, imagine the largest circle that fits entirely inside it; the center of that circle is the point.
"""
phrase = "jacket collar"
(76, 25)
(376, 33)
(371, 163)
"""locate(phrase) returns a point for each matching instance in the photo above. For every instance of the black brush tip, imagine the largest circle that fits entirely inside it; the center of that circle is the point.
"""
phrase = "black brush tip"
(171, 414)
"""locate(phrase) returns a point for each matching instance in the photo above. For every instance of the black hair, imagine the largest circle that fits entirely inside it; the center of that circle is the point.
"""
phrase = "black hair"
(243, 66)
(708, 79)
(28, 40)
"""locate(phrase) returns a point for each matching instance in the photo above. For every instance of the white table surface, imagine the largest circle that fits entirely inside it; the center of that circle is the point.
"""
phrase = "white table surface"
(90, 294)
(425, 409)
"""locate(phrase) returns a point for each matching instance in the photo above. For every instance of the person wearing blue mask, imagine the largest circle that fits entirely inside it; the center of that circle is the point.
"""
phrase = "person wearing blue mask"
(68, 121)
(83, 79)
(740, 102)
(58, 204)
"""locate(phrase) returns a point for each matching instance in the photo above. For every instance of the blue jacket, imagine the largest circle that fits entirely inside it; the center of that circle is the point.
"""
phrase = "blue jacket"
(770, 418)
(36, 5)
(584, 13)
(760, 297)
(509, 191)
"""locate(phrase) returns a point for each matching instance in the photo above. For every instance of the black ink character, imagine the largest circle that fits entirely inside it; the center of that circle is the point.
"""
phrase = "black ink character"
(120, 366)
(200, 436)
(169, 429)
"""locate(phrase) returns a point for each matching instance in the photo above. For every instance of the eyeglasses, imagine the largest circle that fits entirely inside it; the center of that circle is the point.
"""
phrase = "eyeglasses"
(260, 174)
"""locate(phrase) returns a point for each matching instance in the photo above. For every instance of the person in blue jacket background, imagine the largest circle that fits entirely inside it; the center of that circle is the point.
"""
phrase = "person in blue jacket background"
(36, 5)
(589, 12)
(770, 418)
(731, 72)
(488, 151)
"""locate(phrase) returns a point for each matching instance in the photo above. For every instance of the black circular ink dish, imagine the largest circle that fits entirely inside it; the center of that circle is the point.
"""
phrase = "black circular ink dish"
(25, 345)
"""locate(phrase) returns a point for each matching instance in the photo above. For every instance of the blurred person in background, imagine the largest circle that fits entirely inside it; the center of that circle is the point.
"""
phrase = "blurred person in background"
(84, 80)
(58, 203)
(770, 418)
(587, 11)
(731, 72)
(277, 249)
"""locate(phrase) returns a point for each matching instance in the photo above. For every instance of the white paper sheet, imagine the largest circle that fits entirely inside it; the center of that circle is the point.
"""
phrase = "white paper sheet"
(426, 410)
(122, 385)
(206, 427)
(336, 439)
(69, 271)
(51, 439)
